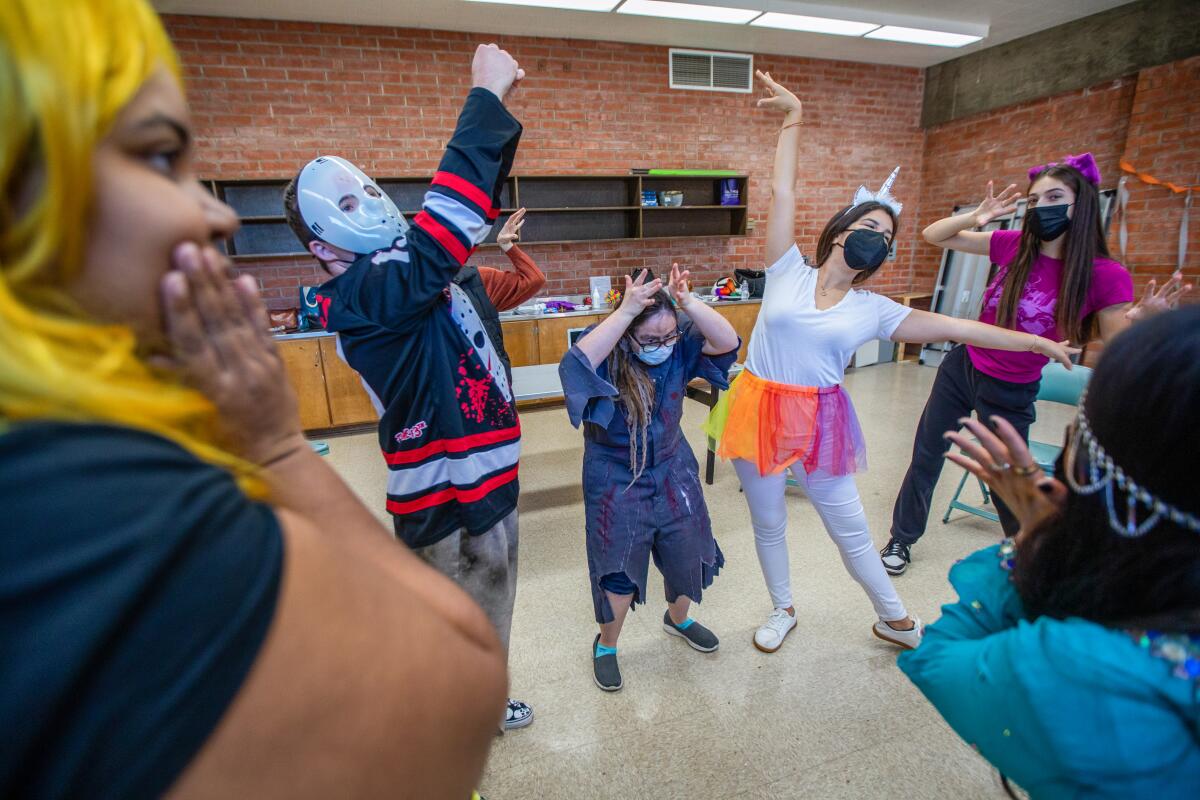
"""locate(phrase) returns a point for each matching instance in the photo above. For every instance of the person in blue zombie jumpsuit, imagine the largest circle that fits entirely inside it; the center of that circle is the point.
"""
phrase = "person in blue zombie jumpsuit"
(624, 382)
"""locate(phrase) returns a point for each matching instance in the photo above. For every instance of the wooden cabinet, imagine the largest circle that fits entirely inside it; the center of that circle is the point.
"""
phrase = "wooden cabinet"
(333, 396)
(330, 393)
(552, 335)
(911, 351)
(302, 359)
(521, 342)
(349, 403)
(742, 317)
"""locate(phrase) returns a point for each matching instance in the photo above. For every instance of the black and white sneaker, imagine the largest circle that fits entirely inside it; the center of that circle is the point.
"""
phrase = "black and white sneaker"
(517, 715)
(895, 557)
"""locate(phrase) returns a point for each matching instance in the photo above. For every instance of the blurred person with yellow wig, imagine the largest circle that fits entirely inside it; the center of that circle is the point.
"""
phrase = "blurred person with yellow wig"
(191, 602)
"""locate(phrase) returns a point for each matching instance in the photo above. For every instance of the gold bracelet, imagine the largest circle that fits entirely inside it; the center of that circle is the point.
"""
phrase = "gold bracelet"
(791, 125)
(1033, 344)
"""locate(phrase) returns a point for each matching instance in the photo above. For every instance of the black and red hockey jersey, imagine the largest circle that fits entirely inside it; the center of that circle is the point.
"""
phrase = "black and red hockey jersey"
(448, 423)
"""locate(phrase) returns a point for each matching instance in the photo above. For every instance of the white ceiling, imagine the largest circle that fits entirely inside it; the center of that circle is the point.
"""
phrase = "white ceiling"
(1004, 20)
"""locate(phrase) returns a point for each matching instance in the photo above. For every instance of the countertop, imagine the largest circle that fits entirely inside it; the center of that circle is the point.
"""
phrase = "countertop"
(516, 316)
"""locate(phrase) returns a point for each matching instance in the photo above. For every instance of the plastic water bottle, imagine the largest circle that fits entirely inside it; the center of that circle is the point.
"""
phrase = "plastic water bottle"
(744, 290)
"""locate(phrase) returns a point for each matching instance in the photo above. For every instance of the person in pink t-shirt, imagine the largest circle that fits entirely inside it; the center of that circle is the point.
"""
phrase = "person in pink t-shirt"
(1055, 280)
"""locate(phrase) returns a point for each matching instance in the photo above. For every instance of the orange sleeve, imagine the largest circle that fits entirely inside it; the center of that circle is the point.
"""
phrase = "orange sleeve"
(507, 290)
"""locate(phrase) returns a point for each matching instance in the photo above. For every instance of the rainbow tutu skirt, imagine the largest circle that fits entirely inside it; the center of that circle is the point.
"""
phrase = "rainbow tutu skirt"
(776, 425)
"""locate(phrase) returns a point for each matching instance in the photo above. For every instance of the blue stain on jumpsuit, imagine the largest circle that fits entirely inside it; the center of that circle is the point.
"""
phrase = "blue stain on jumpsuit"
(663, 514)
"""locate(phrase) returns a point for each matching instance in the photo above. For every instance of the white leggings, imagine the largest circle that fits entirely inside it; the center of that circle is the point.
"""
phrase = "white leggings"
(836, 500)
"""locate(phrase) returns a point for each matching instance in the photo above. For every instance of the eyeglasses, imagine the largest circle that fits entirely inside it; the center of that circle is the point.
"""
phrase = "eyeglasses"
(655, 344)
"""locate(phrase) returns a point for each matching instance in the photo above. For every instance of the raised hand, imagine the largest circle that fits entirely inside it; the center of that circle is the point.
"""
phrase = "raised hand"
(217, 327)
(995, 206)
(777, 97)
(1002, 460)
(495, 70)
(1056, 351)
(1155, 301)
(639, 294)
(511, 231)
(678, 287)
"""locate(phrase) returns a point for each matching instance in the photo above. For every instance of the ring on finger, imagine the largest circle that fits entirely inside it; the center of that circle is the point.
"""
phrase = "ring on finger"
(1027, 471)
(999, 467)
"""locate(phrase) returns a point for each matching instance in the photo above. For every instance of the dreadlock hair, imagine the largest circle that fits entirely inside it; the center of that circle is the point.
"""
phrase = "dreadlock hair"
(634, 384)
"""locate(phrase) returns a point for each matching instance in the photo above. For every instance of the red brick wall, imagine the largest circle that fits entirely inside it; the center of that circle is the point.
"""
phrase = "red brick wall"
(1163, 141)
(268, 96)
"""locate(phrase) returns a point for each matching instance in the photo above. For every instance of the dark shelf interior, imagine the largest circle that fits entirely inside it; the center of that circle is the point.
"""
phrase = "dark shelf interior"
(562, 209)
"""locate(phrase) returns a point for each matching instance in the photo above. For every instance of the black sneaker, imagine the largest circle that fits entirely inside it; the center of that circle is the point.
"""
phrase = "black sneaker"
(698, 636)
(895, 557)
(605, 669)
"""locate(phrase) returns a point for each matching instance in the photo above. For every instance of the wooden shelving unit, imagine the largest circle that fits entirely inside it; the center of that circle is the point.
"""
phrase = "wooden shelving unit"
(562, 209)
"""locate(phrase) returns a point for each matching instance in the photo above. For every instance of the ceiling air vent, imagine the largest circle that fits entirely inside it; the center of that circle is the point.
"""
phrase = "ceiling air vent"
(711, 72)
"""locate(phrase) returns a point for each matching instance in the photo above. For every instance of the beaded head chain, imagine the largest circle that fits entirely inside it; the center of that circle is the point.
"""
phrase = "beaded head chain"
(1104, 474)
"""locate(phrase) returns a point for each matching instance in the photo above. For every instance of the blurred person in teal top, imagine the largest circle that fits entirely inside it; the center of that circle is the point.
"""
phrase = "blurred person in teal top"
(1071, 660)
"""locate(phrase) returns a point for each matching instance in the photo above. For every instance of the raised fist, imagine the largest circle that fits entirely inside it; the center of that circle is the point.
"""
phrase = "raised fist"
(495, 70)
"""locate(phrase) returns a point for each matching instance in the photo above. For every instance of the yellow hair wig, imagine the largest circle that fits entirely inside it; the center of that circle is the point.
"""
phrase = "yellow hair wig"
(67, 68)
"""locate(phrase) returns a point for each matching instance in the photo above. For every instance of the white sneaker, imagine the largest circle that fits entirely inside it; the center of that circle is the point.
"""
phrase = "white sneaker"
(907, 639)
(770, 636)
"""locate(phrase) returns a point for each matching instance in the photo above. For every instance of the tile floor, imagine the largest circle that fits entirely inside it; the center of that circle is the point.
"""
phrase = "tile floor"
(828, 716)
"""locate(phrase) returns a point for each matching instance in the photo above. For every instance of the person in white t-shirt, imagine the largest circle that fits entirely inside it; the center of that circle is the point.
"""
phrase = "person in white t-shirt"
(788, 411)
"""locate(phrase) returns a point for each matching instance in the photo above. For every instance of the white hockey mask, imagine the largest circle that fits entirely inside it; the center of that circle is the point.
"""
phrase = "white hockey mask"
(328, 184)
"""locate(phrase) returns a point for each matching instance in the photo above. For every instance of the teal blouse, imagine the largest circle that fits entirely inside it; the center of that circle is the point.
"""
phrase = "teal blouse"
(1065, 708)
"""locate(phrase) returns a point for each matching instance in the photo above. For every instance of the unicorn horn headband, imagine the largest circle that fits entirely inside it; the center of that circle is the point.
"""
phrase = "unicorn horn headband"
(883, 196)
(1084, 163)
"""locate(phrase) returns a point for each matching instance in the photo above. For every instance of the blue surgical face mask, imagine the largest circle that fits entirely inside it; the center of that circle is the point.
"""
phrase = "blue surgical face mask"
(657, 356)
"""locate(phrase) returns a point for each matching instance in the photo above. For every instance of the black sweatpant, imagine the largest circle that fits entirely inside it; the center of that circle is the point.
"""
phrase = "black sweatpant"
(958, 389)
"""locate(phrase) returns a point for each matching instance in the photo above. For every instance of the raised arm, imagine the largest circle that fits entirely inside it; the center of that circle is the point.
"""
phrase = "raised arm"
(719, 335)
(954, 233)
(505, 289)
(920, 327)
(463, 201)
(781, 216)
(598, 344)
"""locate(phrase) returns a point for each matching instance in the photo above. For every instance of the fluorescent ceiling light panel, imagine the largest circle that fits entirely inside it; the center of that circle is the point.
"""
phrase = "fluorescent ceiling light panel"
(894, 33)
(657, 8)
(795, 22)
(573, 5)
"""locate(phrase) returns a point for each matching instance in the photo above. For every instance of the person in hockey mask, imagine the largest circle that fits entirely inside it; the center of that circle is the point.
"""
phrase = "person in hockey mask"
(417, 326)
(339, 213)
(1055, 279)
(625, 382)
(788, 410)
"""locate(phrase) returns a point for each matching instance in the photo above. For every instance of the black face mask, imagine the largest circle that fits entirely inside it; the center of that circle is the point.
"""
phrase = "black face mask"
(865, 249)
(1050, 222)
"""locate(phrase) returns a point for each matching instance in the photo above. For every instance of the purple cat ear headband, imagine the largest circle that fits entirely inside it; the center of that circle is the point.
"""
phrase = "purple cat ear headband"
(1084, 163)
